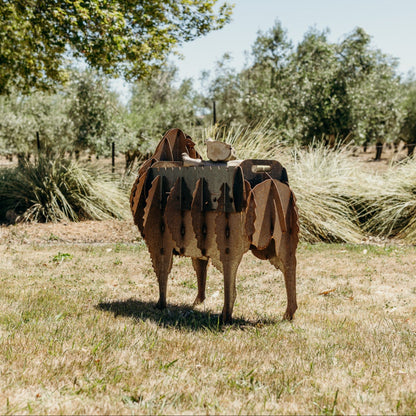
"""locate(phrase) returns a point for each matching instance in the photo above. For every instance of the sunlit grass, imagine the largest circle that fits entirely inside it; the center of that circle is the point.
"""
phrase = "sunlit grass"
(83, 336)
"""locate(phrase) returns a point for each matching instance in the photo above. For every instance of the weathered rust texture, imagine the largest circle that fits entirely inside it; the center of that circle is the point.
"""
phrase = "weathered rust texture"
(217, 211)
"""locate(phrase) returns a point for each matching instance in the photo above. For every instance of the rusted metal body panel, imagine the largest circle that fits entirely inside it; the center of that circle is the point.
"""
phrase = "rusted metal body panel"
(212, 176)
(217, 211)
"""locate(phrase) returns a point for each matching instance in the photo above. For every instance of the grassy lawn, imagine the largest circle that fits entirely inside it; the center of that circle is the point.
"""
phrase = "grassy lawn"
(79, 334)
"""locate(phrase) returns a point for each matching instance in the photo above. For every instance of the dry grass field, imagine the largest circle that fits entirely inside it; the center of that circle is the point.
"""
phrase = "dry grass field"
(79, 333)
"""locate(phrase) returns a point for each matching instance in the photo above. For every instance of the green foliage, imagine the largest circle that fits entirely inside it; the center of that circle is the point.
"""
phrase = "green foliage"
(320, 90)
(93, 112)
(119, 37)
(25, 115)
(314, 102)
(351, 90)
(228, 92)
(266, 81)
(54, 190)
(85, 115)
(157, 105)
(258, 92)
(60, 257)
(408, 128)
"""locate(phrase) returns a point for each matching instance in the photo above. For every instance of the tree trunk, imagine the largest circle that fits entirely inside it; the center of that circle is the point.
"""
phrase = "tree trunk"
(21, 159)
(130, 156)
(410, 149)
(379, 150)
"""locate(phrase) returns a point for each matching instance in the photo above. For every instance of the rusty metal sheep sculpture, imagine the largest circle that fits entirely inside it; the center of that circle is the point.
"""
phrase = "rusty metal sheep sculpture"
(215, 210)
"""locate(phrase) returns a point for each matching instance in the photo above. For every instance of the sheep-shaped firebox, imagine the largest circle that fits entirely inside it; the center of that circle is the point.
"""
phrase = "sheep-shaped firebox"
(215, 210)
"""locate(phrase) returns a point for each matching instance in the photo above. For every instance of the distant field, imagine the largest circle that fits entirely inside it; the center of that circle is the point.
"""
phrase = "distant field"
(79, 333)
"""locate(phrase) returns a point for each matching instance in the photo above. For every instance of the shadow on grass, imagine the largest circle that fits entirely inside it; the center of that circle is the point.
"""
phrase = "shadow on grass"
(177, 316)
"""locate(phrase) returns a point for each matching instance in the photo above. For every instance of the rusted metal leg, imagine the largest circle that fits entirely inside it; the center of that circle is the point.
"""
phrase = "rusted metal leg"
(162, 265)
(231, 246)
(158, 239)
(230, 293)
(288, 268)
(285, 236)
(289, 272)
(200, 267)
(232, 243)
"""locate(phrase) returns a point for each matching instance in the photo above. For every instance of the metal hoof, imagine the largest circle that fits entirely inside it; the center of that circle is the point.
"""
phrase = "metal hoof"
(198, 300)
(161, 305)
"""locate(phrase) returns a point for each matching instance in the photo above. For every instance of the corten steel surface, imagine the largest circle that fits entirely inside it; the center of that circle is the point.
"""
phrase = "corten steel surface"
(217, 211)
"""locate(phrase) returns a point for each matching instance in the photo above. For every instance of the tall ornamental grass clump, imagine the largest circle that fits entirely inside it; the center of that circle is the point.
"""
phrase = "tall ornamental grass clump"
(389, 202)
(54, 190)
(250, 142)
(325, 183)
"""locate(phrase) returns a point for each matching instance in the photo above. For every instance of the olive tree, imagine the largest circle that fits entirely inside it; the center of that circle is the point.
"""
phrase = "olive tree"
(118, 37)
(93, 111)
(35, 123)
(156, 105)
(408, 128)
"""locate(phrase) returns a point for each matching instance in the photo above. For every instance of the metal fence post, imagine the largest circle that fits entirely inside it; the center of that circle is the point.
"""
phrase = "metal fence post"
(113, 157)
